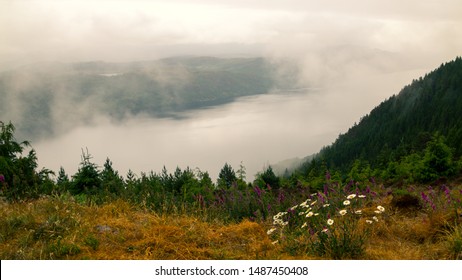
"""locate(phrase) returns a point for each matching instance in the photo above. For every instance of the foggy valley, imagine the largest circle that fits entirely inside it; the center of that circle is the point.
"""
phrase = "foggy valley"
(184, 83)
(269, 123)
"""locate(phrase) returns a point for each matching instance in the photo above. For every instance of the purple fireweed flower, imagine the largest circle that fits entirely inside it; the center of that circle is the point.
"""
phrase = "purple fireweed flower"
(2, 178)
(347, 188)
(327, 176)
(281, 197)
(321, 198)
(447, 192)
(257, 190)
(368, 190)
(428, 200)
(425, 197)
(350, 183)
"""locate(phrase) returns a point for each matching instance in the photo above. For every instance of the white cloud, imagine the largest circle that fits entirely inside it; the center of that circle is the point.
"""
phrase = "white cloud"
(134, 30)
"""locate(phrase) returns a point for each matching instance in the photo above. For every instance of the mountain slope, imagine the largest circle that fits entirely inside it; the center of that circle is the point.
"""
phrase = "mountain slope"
(405, 122)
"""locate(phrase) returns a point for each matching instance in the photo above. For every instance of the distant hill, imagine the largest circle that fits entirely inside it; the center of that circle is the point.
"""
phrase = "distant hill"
(404, 123)
(46, 98)
(287, 166)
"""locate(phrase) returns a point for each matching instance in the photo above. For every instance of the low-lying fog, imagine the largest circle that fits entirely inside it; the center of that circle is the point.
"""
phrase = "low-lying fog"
(256, 131)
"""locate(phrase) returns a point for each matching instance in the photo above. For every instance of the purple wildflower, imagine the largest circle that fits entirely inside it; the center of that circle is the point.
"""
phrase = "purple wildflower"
(2, 178)
(425, 197)
(281, 197)
(428, 200)
(447, 192)
(347, 188)
(321, 198)
(350, 183)
(368, 189)
(258, 191)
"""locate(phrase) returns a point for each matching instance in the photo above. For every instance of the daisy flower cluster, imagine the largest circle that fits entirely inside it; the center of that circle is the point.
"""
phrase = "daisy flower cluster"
(332, 224)
(318, 215)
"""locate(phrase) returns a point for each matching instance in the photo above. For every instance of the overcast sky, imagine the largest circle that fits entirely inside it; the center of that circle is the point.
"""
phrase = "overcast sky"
(65, 30)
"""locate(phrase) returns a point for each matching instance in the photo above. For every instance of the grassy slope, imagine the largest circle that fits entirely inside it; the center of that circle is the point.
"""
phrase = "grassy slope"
(51, 228)
(60, 228)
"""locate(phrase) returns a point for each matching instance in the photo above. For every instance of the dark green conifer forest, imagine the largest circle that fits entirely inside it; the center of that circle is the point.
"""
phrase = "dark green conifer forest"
(415, 135)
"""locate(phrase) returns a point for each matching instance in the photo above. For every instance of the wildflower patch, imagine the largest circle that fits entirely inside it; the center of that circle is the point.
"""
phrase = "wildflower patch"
(330, 225)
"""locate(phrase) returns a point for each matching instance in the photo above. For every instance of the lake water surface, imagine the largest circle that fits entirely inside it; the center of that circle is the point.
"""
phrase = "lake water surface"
(256, 131)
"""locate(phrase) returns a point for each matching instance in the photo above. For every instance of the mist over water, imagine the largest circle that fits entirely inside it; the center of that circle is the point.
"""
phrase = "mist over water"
(257, 131)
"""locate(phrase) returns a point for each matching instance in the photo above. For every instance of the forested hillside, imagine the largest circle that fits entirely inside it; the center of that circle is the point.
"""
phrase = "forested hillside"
(48, 98)
(403, 131)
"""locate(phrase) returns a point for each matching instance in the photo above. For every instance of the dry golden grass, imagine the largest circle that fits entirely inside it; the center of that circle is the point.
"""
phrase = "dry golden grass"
(407, 235)
(59, 228)
(49, 228)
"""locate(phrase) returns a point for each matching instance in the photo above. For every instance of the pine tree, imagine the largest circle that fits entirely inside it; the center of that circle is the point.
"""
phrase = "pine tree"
(62, 181)
(87, 179)
(227, 177)
(437, 161)
(18, 174)
(111, 180)
(268, 178)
